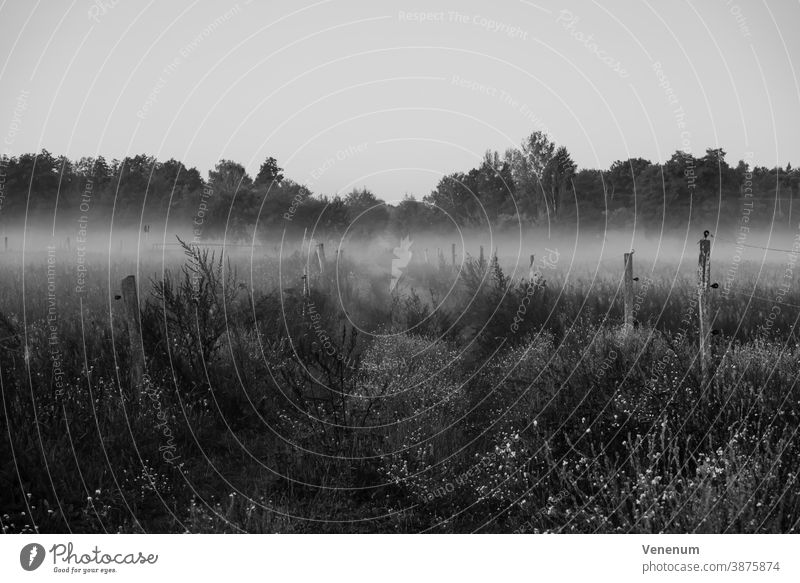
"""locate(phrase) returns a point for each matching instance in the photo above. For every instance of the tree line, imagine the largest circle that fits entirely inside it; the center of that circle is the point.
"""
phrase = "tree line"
(536, 184)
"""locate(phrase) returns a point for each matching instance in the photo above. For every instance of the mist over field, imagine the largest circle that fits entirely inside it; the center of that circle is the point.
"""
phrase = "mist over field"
(367, 268)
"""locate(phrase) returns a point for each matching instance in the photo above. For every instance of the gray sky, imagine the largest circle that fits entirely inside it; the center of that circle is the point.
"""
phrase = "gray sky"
(391, 95)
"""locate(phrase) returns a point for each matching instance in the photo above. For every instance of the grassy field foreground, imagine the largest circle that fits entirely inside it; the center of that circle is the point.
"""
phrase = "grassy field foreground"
(457, 403)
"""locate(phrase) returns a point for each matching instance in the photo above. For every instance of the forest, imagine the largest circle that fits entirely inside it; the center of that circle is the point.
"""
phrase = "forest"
(533, 185)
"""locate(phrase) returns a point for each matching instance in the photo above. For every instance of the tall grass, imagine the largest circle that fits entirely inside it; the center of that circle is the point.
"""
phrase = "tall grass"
(464, 401)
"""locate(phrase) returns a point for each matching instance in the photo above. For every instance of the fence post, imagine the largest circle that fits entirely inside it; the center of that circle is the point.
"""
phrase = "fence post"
(427, 259)
(627, 292)
(703, 283)
(481, 255)
(130, 299)
(6, 243)
(321, 257)
(453, 253)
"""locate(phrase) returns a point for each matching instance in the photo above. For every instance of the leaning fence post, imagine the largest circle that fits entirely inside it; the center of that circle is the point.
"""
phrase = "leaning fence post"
(703, 283)
(130, 299)
(627, 292)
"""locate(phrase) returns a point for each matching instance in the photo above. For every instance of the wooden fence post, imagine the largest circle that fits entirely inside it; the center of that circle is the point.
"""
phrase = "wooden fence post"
(481, 255)
(306, 291)
(627, 292)
(130, 299)
(321, 257)
(427, 259)
(453, 253)
(703, 283)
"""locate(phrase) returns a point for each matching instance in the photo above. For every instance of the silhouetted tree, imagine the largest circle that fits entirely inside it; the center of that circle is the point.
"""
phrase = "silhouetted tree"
(269, 173)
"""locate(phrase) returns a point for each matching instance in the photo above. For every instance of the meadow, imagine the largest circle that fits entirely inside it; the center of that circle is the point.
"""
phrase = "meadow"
(476, 397)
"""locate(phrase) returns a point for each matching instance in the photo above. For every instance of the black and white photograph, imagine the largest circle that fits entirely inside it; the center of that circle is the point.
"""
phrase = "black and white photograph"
(340, 267)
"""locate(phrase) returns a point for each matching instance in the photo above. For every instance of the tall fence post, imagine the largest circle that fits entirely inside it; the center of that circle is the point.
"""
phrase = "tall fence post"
(703, 283)
(306, 289)
(627, 292)
(130, 299)
(321, 257)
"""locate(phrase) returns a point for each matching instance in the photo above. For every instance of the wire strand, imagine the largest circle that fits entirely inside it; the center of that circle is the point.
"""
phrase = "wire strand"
(755, 297)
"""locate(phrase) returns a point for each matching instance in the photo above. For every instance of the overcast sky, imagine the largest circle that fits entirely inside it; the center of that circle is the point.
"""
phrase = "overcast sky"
(391, 95)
